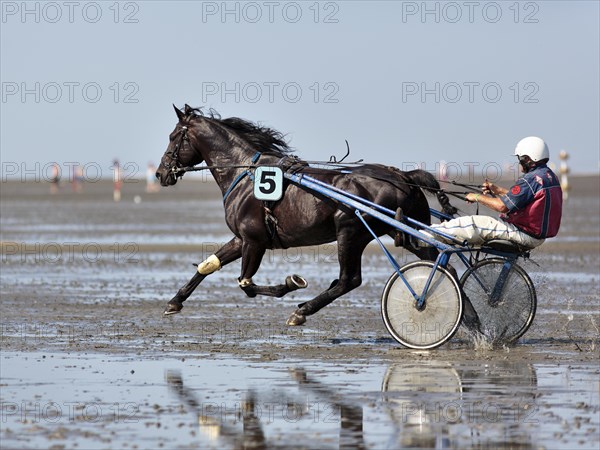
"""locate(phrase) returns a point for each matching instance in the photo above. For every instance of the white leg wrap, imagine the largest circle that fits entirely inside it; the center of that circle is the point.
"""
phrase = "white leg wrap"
(209, 265)
(245, 282)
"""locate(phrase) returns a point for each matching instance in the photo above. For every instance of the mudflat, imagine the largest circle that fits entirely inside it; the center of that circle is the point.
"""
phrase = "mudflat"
(89, 361)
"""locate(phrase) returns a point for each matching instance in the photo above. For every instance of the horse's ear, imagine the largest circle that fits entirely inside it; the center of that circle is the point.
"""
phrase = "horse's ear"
(188, 109)
(180, 114)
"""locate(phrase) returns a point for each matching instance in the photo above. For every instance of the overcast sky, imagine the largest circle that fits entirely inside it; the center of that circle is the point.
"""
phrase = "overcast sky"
(404, 82)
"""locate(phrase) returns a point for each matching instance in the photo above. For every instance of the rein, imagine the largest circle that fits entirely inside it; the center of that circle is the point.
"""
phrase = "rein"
(471, 187)
(180, 171)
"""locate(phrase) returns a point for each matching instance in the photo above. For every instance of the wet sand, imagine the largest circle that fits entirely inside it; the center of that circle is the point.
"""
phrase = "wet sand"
(84, 282)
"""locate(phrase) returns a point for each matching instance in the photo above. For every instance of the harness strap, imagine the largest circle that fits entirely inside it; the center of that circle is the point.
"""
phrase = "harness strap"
(271, 223)
(241, 176)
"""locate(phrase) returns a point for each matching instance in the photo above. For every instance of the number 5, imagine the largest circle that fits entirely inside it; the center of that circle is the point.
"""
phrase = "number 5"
(268, 183)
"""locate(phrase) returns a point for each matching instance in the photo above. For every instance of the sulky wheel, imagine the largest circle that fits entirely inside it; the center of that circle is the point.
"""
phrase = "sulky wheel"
(432, 325)
(503, 296)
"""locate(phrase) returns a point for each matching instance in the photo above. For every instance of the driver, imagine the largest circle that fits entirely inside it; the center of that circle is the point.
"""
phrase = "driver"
(530, 210)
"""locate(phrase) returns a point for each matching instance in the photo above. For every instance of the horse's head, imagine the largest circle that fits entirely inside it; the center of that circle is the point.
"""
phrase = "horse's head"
(182, 150)
(202, 137)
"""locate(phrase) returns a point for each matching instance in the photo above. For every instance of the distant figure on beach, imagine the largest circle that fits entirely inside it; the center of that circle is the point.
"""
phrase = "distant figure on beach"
(443, 171)
(55, 179)
(77, 179)
(564, 174)
(117, 181)
(151, 180)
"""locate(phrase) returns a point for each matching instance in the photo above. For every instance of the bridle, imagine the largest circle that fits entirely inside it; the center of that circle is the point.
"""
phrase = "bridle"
(173, 164)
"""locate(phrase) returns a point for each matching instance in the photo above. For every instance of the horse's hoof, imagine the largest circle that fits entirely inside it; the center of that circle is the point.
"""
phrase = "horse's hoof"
(296, 319)
(173, 308)
(294, 282)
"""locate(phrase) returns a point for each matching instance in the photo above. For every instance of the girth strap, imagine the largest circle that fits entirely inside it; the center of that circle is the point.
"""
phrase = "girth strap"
(271, 223)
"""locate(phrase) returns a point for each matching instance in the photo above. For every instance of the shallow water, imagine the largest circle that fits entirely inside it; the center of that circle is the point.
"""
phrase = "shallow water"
(103, 401)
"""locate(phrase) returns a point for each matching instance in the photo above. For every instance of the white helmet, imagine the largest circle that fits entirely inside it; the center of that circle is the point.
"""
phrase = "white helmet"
(534, 147)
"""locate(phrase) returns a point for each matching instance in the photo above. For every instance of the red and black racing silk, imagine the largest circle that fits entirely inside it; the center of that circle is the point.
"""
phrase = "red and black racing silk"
(535, 203)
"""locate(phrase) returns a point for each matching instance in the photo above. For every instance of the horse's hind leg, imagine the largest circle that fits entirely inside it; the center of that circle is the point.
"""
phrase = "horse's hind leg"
(226, 254)
(350, 252)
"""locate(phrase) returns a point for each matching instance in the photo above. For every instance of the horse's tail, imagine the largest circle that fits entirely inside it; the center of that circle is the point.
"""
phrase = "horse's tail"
(427, 181)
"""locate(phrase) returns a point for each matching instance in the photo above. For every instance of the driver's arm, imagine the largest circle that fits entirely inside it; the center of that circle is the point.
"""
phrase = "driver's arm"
(494, 203)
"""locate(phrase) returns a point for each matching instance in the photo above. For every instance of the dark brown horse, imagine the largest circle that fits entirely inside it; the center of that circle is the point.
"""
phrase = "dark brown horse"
(300, 218)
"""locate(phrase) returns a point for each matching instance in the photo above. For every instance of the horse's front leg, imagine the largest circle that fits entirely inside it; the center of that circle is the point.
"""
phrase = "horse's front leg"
(226, 254)
(252, 254)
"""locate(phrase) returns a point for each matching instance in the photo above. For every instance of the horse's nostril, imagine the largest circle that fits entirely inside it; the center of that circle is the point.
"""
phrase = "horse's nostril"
(157, 175)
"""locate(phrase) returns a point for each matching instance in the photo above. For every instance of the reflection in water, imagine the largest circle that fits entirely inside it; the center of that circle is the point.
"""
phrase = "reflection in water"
(417, 396)
(435, 405)
(422, 404)
(351, 416)
(213, 426)
(223, 427)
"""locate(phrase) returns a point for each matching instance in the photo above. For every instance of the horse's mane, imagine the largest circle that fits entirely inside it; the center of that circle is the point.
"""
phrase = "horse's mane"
(263, 139)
